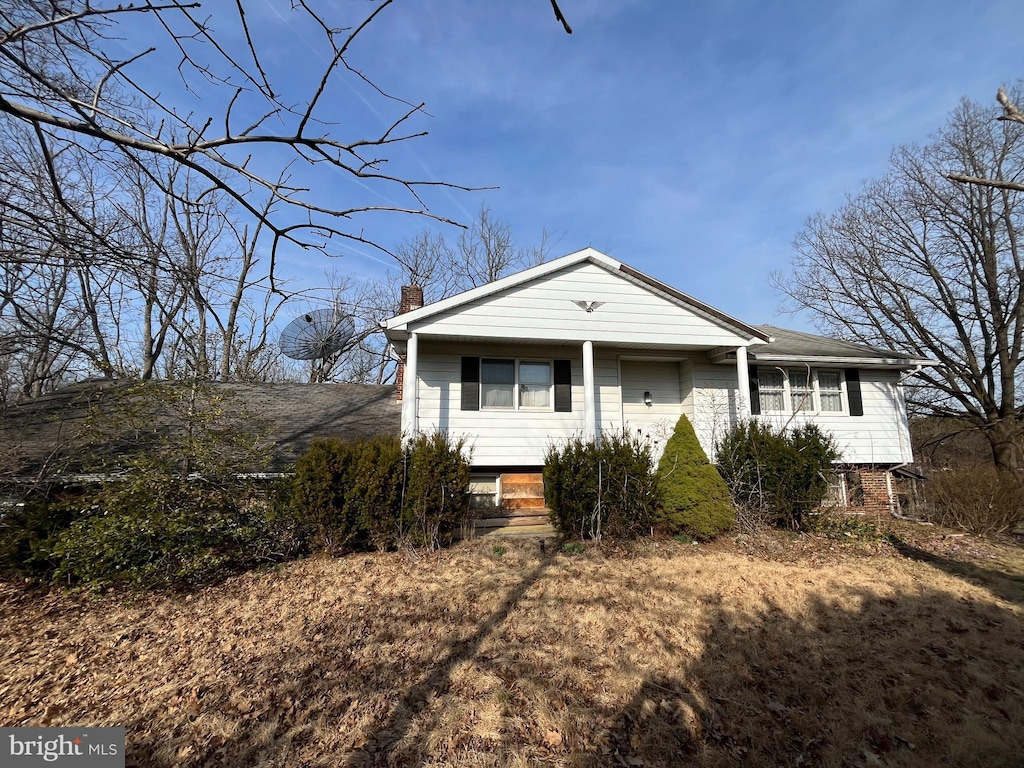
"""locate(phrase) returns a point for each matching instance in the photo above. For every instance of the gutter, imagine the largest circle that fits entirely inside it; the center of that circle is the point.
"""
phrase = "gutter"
(909, 374)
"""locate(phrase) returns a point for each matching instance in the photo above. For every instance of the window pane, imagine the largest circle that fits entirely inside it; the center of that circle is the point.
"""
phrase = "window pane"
(534, 396)
(497, 383)
(830, 391)
(497, 395)
(483, 491)
(831, 401)
(498, 372)
(828, 381)
(535, 373)
(770, 386)
(801, 397)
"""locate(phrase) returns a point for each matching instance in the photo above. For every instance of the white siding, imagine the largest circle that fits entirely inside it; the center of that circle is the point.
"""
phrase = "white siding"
(511, 437)
(544, 309)
(707, 393)
(880, 436)
(715, 398)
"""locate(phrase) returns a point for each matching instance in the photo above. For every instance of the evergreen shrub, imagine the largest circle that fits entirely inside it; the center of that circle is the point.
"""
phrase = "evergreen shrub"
(779, 472)
(322, 477)
(436, 501)
(695, 499)
(373, 492)
(605, 488)
(155, 528)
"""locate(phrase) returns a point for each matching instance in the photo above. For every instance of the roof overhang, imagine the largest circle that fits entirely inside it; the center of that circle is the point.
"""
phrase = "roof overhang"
(397, 328)
(900, 363)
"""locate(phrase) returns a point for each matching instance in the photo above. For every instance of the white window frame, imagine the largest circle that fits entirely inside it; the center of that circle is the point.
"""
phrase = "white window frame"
(517, 405)
(814, 407)
(478, 479)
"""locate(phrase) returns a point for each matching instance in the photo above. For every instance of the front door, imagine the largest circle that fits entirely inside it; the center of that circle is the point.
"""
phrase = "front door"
(651, 399)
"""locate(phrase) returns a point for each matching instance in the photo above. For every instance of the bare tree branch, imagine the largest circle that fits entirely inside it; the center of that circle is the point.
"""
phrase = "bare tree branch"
(560, 17)
(55, 75)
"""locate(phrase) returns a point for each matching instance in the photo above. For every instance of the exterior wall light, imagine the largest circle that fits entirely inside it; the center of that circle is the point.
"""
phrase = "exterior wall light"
(647, 399)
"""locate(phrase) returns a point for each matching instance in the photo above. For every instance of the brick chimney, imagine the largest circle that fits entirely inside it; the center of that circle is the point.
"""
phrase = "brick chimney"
(412, 298)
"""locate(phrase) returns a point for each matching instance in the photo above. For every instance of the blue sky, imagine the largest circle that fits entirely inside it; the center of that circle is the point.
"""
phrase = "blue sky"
(688, 139)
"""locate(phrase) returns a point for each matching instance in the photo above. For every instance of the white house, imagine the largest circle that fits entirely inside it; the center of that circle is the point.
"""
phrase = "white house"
(585, 344)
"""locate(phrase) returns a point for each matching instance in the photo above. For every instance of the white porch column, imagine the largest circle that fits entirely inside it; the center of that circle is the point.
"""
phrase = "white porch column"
(589, 393)
(743, 406)
(410, 389)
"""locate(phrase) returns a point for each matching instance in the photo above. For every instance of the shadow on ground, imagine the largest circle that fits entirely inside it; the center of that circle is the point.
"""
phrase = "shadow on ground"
(1009, 587)
(853, 679)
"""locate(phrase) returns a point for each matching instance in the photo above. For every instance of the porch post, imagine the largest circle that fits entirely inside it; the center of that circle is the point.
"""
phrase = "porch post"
(410, 389)
(589, 393)
(743, 406)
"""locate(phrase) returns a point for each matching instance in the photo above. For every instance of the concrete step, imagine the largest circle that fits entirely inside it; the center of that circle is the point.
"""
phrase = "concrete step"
(542, 531)
(516, 521)
(523, 503)
(515, 510)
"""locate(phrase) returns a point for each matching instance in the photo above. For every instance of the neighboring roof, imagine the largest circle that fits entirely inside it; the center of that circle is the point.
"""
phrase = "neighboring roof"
(794, 346)
(97, 426)
(396, 327)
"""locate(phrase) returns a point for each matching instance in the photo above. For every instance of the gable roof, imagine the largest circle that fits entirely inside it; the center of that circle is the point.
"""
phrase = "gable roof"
(397, 327)
(98, 426)
(798, 346)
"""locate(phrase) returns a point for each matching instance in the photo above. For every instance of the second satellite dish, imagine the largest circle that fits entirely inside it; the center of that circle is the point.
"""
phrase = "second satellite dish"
(317, 334)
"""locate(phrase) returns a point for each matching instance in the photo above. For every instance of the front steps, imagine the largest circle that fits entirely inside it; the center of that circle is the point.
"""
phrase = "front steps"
(521, 510)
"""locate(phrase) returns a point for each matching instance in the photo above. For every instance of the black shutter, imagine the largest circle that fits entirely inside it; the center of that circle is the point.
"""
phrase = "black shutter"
(563, 386)
(755, 393)
(471, 383)
(853, 392)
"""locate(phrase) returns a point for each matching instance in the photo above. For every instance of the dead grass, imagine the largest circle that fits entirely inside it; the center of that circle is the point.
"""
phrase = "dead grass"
(773, 651)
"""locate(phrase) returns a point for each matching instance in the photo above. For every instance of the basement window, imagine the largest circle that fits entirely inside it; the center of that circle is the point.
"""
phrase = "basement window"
(483, 491)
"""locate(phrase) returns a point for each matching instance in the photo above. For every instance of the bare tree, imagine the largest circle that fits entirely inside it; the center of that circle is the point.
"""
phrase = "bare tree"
(171, 289)
(484, 252)
(59, 77)
(917, 262)
(1013, 114)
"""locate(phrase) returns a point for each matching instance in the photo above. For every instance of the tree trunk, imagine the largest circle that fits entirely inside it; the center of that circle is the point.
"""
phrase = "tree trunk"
(1005, 439)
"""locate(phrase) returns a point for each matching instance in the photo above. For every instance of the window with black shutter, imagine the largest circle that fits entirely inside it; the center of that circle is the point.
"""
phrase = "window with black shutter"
(471, 383)
(563, 386)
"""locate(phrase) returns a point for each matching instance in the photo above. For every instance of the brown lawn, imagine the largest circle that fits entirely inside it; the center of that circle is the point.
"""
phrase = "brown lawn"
(769, 651)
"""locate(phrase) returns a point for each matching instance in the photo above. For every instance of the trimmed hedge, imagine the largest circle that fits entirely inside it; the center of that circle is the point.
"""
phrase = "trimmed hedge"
(778, 472)
(695, 497)
(154, 527)
(372, 492)
(606, 488)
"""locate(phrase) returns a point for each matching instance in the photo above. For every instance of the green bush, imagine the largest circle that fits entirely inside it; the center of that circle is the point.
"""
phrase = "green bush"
(28, 532)
(154, 528)
(371, 492)
(606, 488)
(322, 478)
(781, 473)
(374, 494)
(436, 499)
(695, 498)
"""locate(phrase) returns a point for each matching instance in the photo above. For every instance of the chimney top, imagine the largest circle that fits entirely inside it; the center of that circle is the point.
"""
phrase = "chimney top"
(412, 298)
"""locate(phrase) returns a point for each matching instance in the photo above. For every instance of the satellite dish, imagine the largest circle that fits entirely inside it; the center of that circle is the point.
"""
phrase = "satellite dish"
(316, 334)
